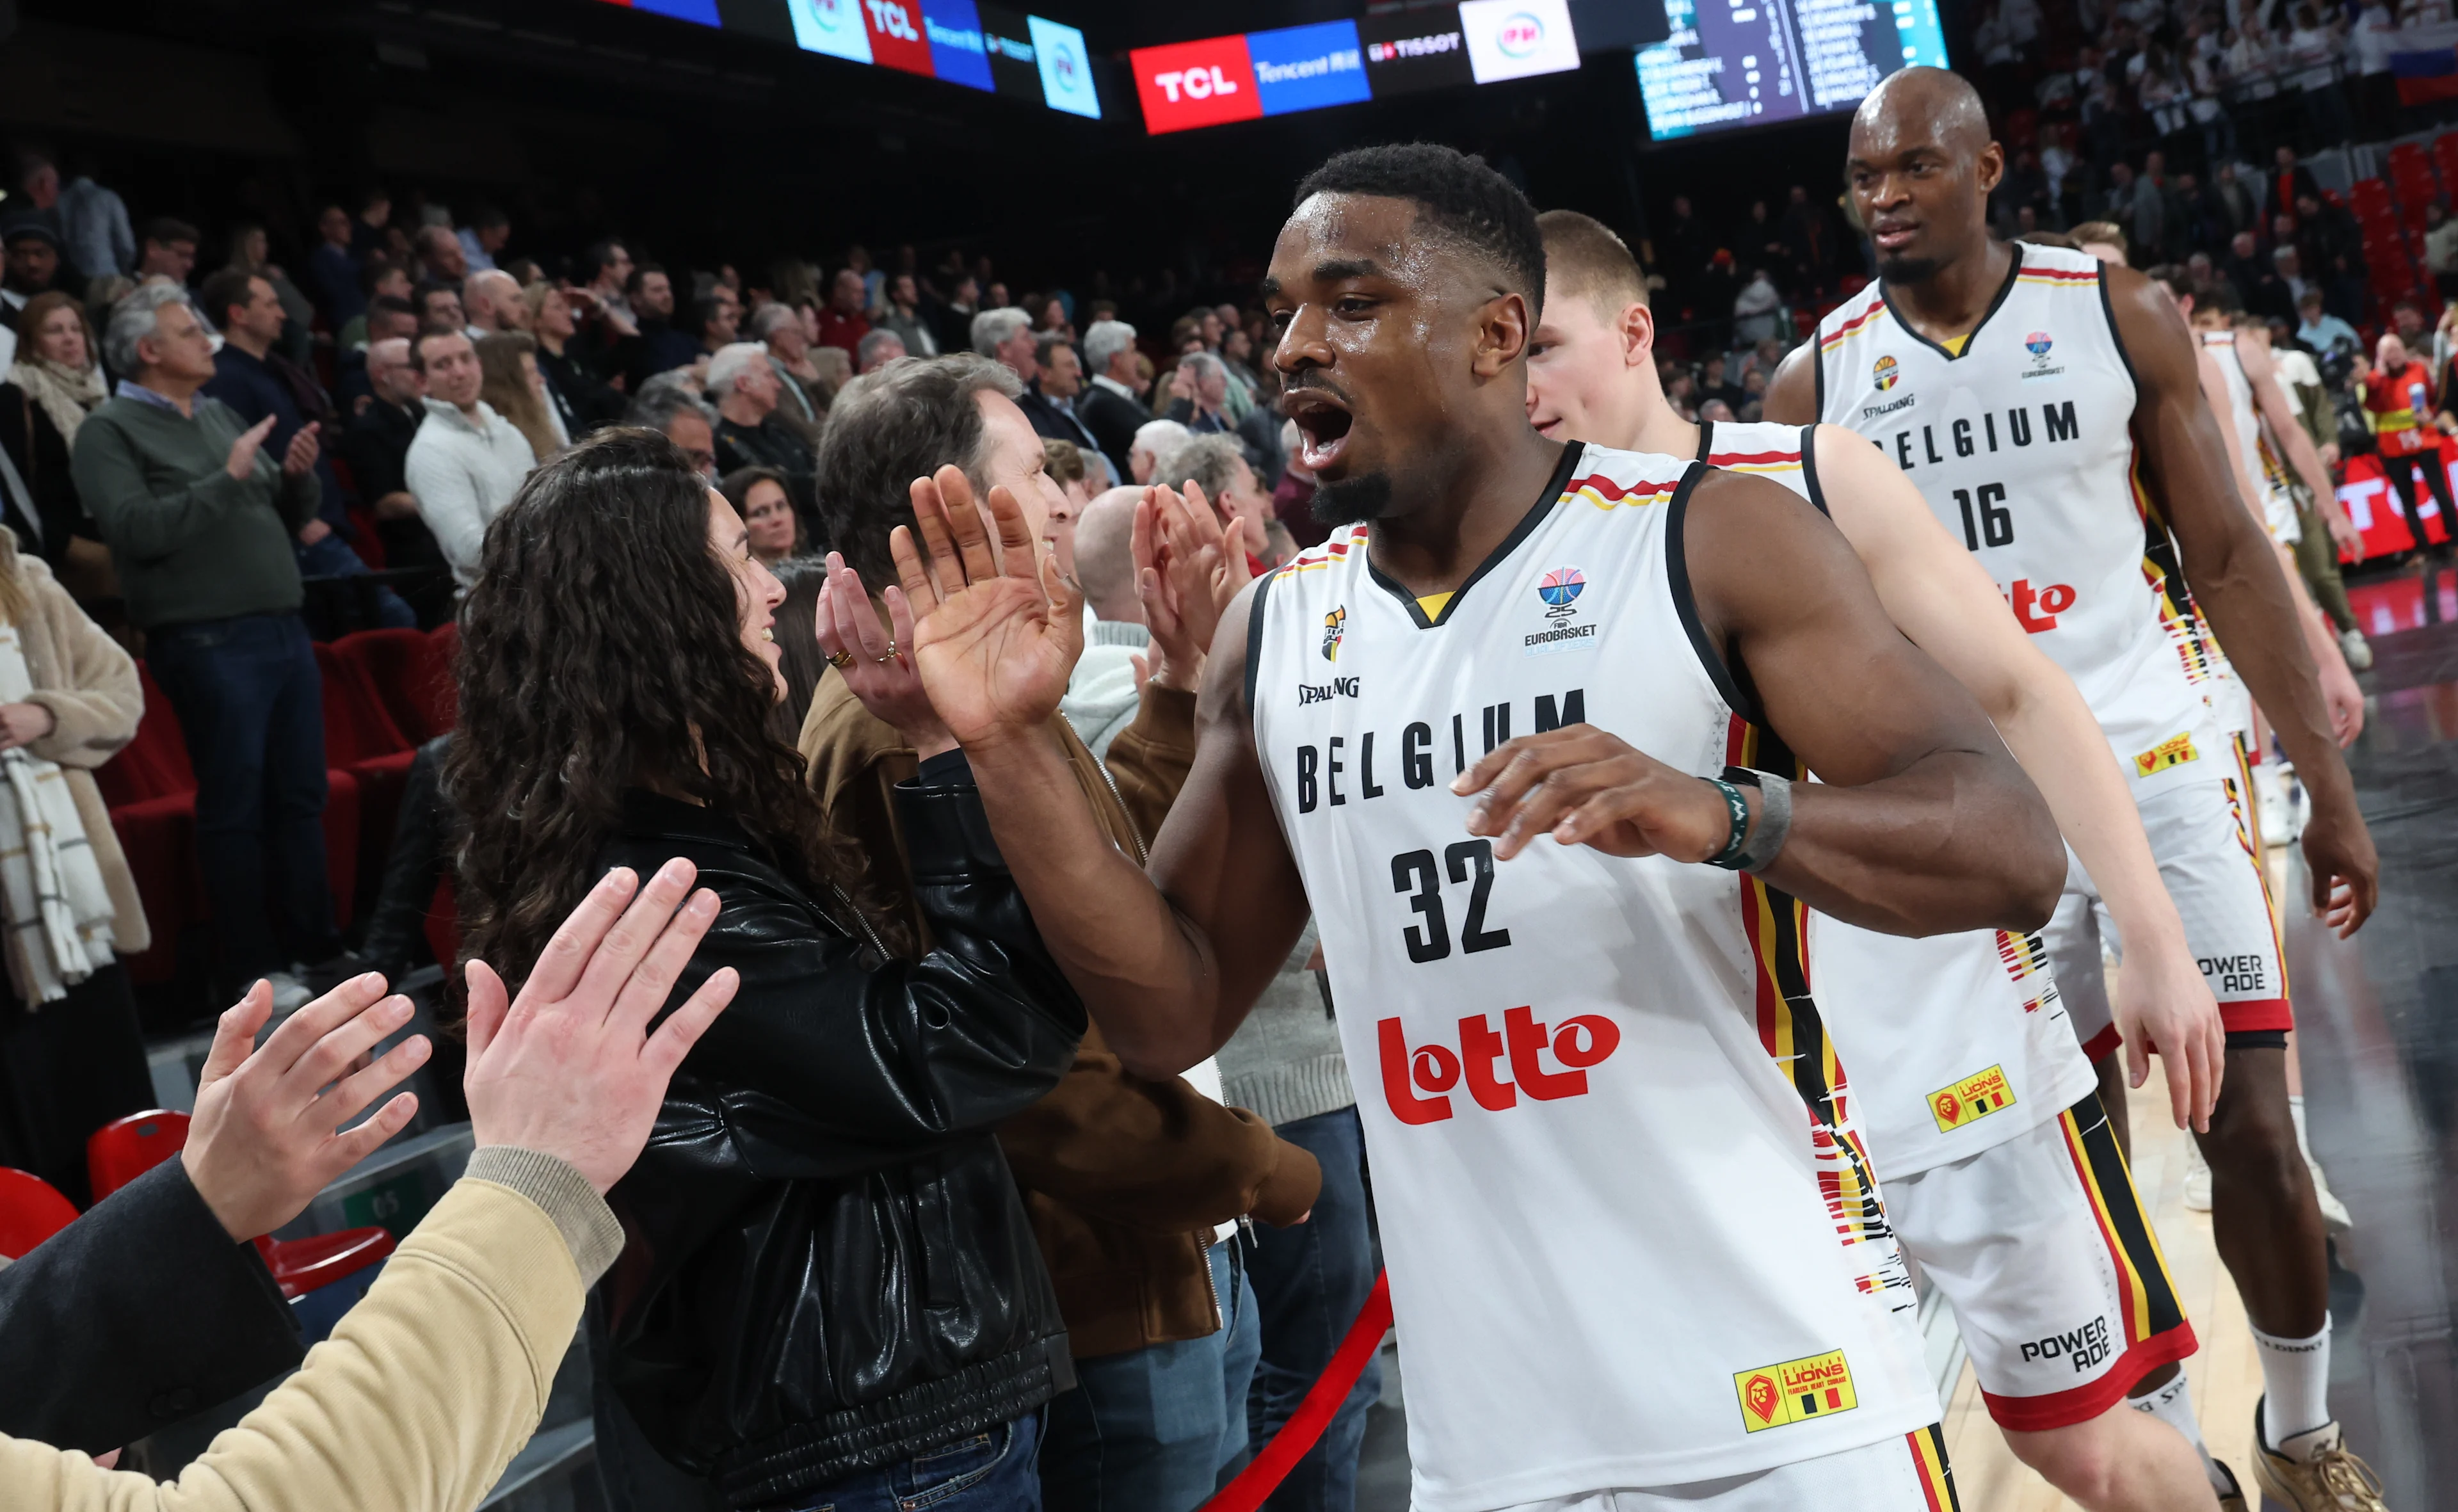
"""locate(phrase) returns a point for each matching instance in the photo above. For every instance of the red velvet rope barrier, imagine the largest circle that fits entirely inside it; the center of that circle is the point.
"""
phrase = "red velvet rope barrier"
(1263, 1475)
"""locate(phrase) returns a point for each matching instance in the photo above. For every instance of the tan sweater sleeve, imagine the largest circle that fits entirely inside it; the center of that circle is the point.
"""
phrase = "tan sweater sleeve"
(426, 1390)
(92, 694)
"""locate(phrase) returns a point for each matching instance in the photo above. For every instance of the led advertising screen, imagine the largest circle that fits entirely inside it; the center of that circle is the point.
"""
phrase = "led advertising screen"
(1252, 74)
(978, 45)
(1730, 63)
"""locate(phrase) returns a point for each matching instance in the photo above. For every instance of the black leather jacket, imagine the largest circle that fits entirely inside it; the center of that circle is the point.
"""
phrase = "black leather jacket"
(829, 1265)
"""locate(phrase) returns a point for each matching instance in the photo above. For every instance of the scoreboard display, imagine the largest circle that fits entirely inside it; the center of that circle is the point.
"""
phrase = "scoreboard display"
(1730, 63)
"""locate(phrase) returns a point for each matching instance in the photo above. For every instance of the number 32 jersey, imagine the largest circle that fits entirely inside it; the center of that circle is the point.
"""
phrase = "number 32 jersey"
(2022, 443)
(1633, 1233)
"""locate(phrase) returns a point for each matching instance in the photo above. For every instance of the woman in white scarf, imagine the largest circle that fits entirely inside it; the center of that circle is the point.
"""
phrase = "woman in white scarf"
(72, 1056)
(54, 383)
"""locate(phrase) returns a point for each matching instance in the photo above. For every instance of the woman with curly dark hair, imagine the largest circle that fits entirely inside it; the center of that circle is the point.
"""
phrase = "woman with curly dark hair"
(831, 1293)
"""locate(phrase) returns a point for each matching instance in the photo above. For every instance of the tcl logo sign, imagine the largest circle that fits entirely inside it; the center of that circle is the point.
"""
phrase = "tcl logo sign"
(891, 20)
(2037, 608)
(1416, 1082)
(1192, 84)
(1195, 84)
(896, 40)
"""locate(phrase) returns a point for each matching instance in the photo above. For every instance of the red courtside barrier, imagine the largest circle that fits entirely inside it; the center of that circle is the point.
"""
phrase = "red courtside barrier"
(1265, 1473)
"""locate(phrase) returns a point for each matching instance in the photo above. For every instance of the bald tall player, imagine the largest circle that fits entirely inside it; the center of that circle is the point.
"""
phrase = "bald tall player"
(1987, 1196)
(2049, 408)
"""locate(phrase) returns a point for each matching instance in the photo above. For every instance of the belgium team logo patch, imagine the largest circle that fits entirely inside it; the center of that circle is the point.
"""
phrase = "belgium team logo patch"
(1885, 373)
(1973, 1098)
(1796, 1391)
(1331, 626)
(2174, 752)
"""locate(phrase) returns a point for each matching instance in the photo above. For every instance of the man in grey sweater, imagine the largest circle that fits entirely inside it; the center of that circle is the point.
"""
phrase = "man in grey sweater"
(199, 523)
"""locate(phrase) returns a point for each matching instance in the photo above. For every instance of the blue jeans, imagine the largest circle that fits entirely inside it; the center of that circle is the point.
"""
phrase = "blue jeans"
(1310, 1281)
(1150, 1430)
(333, 557)
(251, 705)
(990, 1472)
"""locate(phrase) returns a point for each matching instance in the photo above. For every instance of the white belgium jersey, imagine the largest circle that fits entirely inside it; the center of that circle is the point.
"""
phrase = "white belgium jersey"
(2022, 443)
(1957, 1043)
(2271, 495)
(1632, 1234)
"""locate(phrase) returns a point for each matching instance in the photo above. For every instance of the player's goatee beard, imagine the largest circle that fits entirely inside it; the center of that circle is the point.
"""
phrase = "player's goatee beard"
(1909, 270)
(1353, 501)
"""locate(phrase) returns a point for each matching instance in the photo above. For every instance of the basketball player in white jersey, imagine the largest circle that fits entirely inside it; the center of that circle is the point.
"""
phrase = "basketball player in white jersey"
(1980, 1106)
(1635, 1246)
(2048, 408)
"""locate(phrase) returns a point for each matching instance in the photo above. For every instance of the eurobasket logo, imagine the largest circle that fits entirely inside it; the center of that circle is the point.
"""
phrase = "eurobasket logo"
(1521, 35)
(2037, 344)
(1560, 589)
(1884, 373)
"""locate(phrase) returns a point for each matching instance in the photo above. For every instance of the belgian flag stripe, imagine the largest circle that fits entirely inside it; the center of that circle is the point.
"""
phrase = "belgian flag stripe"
(2150, 1298)
(1936, 1476)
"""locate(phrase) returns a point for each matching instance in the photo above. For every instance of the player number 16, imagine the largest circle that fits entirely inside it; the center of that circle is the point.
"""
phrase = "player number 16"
(1985, 519)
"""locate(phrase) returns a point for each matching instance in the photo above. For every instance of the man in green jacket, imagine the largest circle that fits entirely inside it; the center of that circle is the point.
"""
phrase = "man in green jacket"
(200, 524)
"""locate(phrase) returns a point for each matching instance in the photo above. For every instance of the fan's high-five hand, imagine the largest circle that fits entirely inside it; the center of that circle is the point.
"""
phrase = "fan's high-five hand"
(998, 632)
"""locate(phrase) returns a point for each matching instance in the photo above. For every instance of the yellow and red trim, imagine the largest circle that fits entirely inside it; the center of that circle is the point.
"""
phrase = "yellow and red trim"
(2155, 1328)
(1930, 1467)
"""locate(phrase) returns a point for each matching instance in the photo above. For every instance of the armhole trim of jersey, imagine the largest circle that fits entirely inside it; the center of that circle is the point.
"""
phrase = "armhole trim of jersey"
(1817, 368)
(1809, 469)
(1254, 647)
(2116, 338)
(1706, 440)
(1685, 603)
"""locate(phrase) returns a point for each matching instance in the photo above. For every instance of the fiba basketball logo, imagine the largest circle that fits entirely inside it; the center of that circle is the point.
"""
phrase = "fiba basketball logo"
(1521, 35)
(1561, 588)
(831, 14)
(2037, 344)
(1062, 62)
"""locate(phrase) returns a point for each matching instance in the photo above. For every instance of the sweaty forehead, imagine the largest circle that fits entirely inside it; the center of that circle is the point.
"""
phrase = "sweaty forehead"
(1332, 237)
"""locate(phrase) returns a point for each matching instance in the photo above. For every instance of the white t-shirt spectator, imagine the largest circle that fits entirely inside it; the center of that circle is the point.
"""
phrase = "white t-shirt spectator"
(462, 470)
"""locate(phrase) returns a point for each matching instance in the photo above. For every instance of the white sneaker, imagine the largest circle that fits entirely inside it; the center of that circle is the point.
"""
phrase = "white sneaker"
(2358, 651)
(2334, 1213)
(2198, 1179)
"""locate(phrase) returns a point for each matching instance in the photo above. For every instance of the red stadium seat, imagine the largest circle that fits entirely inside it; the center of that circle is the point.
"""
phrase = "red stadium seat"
(125, 1148)
(359, 739)
(410, 672)
(30, 1211)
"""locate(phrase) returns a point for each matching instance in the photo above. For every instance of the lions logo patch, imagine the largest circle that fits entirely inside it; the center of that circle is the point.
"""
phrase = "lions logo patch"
(1884, 372)
(1331, 629)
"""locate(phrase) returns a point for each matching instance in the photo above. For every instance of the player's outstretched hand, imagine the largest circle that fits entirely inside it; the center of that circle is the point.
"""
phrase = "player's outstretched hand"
(1588, 788)
(879, 665)
(2162, 999)
(570, 1068)
(1185, 576)
(2347, 871)
(996, 635)
(263, 1140)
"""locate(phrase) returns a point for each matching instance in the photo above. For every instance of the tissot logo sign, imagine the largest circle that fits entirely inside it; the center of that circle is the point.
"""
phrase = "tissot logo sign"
(1514, 39)
(1195, 84)
(1416, 50)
